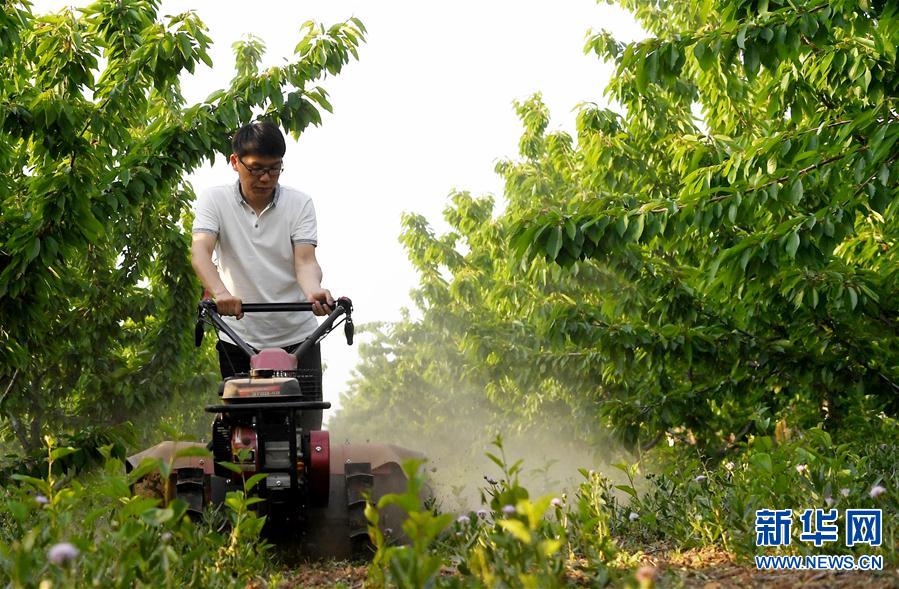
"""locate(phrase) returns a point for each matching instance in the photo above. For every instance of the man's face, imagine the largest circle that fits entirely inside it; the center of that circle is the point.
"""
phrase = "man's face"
(256, 186)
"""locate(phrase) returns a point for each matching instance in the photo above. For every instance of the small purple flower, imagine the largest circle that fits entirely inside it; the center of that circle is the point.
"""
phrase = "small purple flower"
(801, 468)
(829, 501)
(41, 499)
(634, 516)
(62, 553)
(509, 509)
(463, 519)
(166, 537)
(876, 491)
(482, 513)
(700, 478)
(556, 502)
(844, 492)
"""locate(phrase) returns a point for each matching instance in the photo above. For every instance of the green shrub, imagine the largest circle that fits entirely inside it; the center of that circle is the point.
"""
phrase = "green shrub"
(57, 531)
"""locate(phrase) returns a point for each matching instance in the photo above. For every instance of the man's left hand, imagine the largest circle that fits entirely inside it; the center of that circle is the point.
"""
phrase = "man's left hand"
(322, 301)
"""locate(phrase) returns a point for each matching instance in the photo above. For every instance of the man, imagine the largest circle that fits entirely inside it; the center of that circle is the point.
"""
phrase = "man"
(265, 237)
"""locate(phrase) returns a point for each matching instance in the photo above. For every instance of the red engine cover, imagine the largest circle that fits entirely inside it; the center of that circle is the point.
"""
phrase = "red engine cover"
(273, 359)
(319, 468)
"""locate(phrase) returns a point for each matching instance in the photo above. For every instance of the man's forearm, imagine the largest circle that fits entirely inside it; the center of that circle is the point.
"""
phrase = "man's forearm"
(309, 277)
(208, 275)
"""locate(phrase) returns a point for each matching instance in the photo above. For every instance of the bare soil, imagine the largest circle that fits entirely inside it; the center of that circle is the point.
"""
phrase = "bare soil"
(710, 568)
(706, 568)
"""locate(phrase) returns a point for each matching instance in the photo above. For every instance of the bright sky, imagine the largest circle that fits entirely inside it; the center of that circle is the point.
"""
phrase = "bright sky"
(427, 109)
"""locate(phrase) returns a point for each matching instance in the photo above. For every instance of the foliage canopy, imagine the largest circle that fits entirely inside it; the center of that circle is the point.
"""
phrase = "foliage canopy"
(717, 258)
(96, 139)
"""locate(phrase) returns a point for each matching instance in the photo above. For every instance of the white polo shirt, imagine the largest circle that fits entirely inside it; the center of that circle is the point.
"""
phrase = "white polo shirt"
(254, 256)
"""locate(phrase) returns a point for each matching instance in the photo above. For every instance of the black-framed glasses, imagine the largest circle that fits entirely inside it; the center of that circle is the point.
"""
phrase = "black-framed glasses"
(257, 172)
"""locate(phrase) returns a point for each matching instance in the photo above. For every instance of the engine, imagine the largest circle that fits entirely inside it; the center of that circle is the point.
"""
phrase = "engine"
(258, 431)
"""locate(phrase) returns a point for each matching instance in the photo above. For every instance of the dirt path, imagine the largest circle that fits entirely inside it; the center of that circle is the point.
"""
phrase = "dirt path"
(336, 575)
(711, 568)
(700, 569)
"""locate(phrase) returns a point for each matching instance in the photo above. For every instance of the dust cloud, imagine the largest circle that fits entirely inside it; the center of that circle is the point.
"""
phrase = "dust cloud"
(550, 449)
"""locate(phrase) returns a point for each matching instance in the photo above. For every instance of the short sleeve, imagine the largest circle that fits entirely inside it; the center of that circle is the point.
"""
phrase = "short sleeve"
(304, 228)
(206, 217)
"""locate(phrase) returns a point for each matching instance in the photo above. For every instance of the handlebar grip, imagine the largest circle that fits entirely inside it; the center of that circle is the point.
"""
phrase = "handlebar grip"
(342, 306)
(344, 302)
(275, 307)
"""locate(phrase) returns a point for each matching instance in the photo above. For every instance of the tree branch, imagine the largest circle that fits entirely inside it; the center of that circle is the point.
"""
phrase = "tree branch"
(12, 382)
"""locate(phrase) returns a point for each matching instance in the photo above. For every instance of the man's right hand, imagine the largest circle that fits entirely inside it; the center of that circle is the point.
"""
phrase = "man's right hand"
(228, 304)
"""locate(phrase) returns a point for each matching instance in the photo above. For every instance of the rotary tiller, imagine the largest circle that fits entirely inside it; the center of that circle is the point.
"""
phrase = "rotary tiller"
(267, 423)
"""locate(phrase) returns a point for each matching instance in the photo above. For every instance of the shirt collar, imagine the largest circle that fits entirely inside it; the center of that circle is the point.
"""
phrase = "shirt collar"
(240, 200)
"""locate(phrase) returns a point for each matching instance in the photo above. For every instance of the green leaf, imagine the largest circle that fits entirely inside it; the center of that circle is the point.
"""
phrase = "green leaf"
(254, 480)
(231, 466)
(132, 506)
(495, 459)
(62, 452)
(732, 213)
(642, 78)
(796, 191)
(406, 502)
(792, 244)
(884, 174)
(704, 55)
(621, 225)
(635, 229)
(627, 489)
(18, 510)
(157, 516)
(762, 461)
(549, 547)
(751, 61)
(39, 484)
(652, 66)
(554, 242)
(699, 50)
(517, 529)
(146, 466)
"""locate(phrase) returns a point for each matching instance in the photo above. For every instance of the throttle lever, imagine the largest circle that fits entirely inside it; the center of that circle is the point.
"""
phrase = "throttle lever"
(348, 330)
(198, 333)
(199, 329)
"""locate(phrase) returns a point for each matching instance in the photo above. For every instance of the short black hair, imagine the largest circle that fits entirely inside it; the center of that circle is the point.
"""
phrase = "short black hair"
(259, 138)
